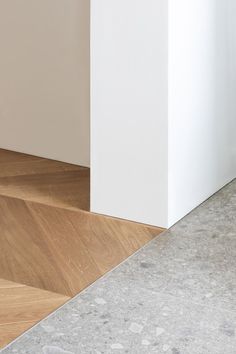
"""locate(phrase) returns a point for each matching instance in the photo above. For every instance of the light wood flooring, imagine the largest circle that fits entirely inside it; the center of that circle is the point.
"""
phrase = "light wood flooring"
(49, 241)
(22, 306)
(44, 181)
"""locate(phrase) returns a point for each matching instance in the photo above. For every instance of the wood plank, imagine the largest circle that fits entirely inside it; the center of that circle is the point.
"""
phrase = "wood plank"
(110, 240)
(22, 306)
(61, 250)
(23, 249)
(69, 189)
(26, 257)
(18, 164)
(46, 181)
(34, 167)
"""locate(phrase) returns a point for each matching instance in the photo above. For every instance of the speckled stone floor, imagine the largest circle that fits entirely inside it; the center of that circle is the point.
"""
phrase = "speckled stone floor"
(177, 295)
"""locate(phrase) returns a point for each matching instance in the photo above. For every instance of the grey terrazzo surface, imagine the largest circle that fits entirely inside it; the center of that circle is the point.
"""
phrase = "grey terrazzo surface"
(177, 295)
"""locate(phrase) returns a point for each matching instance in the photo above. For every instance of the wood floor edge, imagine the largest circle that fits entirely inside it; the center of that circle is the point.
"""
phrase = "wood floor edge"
(162, 229)
(72, 209)
(23, 307)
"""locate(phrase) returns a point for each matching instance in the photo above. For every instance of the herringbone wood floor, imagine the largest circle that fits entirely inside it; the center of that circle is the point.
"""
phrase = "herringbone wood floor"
(48, 238)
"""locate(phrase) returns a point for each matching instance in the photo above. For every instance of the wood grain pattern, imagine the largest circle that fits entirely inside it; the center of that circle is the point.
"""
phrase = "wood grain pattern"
(45, 181)
(50, 241)
(61, 250)
(22, 306)
(16, 164)
(40, 166)
(68, 189)
(7, 156)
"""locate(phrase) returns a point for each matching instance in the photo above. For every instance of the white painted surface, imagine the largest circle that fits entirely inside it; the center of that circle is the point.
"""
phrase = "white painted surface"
(142, 169)
(129, 109)
(44, 78)
(200, 114)
(163, 124)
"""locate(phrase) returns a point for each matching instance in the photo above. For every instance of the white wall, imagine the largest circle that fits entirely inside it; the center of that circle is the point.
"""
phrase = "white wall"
(129, 109)
(44, 78)
(200, 114)
(163, 106)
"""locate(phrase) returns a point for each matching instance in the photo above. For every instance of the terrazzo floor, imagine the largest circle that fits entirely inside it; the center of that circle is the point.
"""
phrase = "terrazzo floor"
(176, 295)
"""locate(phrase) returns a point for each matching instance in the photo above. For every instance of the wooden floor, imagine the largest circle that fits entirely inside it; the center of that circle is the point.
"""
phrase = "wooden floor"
(44, 181)
(49, 241)
(22, 306)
